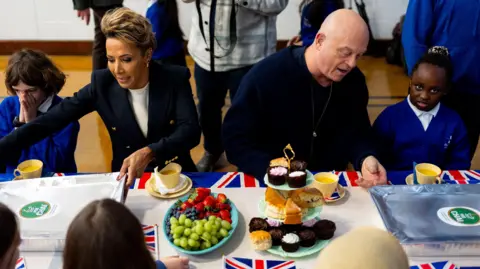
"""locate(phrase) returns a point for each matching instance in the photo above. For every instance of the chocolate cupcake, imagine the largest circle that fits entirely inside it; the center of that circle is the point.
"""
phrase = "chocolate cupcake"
(292, 228)
(258, 224)
(324, 229)
(297, 179)
(277, 235)
(277, 175)
(290, 242)
(307, 238)
(298, 166)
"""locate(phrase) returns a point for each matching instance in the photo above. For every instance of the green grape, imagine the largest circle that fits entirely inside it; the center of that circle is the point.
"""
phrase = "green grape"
(172, 231)
(203, 245)
(188, 247)
(177, 236)
(179, 230)
(188, 223)
(197, 244)
(176, 242)
(199, 229)
(173, 226)
(212, 218)
(206, 236)
(214, 240)
(192, 243)
(203, 221)
(208, 227)
(187, 232)
(183, 242)
(218, 221)
(215, 227)
(182, 219)
(223, 232)
(226, 225)
(214, 232)
(173, 220)
(195, 236)
(208, 244)
(195, 222)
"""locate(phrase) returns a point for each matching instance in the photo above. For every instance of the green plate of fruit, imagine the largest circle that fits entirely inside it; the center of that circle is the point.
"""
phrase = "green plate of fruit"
(201, 222)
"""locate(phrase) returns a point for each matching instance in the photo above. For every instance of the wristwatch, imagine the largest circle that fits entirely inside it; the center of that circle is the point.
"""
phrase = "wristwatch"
(17, 123)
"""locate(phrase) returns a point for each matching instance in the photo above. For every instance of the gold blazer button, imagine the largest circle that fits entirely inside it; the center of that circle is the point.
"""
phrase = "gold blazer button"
(114, 128)
(172, 122)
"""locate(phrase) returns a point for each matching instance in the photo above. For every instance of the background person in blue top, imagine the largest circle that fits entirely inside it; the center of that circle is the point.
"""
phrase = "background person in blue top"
(106, 234)
(163, 14)
(34, 81)
(419, 128)
(312, 15)
(455, 25)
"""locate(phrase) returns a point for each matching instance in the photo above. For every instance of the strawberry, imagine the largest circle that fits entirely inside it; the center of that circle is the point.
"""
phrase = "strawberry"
(200, 207)
(222, 198)
(224, 207)
(229, 220)
(209, 213)
(186, 205)
(199, 195)
(209, 203)
(201, 215)
(224, 214)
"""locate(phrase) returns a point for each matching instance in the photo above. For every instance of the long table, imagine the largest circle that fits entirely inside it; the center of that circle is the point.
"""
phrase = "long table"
(355, 210)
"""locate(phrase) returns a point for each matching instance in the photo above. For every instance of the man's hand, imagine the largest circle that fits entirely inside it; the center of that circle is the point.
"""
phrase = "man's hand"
(373, 173)
(84, 15)
(135, 164)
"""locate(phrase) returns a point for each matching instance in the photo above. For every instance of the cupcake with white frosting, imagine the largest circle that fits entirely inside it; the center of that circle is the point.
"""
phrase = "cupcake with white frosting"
(290, 242)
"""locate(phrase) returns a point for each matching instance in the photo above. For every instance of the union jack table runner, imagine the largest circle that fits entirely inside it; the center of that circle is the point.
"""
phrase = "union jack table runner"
(242, 263)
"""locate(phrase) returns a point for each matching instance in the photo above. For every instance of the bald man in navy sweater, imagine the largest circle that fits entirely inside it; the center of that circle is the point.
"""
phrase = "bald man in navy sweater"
(312, 98)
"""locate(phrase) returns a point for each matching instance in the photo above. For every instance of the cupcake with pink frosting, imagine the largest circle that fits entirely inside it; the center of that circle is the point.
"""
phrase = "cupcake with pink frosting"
(277, 175)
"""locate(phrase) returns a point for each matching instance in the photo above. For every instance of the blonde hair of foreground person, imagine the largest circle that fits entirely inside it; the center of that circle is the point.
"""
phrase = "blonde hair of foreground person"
(367, 248)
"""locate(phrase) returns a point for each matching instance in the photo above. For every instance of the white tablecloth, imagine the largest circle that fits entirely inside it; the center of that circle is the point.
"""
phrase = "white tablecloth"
(355, 210)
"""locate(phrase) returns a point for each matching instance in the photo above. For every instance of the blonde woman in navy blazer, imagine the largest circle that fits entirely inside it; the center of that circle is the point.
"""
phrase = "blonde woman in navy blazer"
(147, 108)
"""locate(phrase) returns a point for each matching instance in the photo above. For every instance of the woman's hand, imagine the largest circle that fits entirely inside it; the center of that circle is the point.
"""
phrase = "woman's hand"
(135, 164)
(175, 262)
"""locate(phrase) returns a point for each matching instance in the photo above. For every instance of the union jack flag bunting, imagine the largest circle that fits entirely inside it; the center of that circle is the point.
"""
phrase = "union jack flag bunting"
(440, 265)
(241, 263)
(20, 263)
(150, 232)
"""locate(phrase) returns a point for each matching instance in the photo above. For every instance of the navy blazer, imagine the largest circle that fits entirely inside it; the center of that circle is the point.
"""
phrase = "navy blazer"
(173, 127)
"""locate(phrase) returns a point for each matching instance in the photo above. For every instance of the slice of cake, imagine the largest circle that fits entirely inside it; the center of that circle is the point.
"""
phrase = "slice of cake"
(293, 213)
(308, 197)
(275, 204)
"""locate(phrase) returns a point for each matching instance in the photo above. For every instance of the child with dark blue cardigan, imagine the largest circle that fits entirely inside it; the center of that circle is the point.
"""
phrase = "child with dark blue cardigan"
(420, 129)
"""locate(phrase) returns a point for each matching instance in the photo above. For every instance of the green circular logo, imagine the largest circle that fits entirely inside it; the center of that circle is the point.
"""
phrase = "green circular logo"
(35, 210)
(464, 216)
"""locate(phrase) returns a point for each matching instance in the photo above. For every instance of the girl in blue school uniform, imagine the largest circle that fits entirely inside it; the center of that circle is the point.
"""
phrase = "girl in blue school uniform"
(420, 129)
(34, 82)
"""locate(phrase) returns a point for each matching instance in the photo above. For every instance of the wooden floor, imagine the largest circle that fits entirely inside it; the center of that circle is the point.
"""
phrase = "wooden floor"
(387, 85)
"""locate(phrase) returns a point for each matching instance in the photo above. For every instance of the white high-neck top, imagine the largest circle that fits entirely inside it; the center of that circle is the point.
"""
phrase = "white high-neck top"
(425, 117)
(138, 99)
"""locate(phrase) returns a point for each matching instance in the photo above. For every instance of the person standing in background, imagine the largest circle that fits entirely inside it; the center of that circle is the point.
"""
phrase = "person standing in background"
(227, 38)
(455, 25)
(312, 15)
(99, 7)
(163, 15)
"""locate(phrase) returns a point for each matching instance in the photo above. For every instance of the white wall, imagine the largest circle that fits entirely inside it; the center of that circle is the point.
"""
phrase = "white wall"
(56, 19)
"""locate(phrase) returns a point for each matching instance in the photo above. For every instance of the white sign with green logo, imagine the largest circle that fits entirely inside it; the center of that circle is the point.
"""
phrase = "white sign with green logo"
(37, 209)
(459, 216)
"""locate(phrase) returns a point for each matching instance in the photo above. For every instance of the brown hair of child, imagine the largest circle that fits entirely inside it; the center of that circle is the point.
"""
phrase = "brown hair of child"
(8, 229)
(35, 69)
(106, 235)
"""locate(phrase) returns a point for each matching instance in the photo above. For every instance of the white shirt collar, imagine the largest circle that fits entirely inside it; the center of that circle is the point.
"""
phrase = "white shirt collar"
(46, 104)
(418, 112)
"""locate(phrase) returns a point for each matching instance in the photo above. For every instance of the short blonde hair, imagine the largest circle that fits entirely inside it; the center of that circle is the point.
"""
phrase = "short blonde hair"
(130, 27)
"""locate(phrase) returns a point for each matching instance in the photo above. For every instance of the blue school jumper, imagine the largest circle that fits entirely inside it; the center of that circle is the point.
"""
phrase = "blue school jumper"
(166, 46)
(57, 152)
(403, 139)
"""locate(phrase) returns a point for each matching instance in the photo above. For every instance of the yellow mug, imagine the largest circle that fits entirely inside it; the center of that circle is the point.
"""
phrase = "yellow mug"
(326, 183)
(28, 169)
(169, 176)
(428, 173)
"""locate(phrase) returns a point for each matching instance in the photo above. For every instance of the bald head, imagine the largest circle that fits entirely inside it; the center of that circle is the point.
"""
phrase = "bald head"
(367, 248)
(344, 22)
(341, 40)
